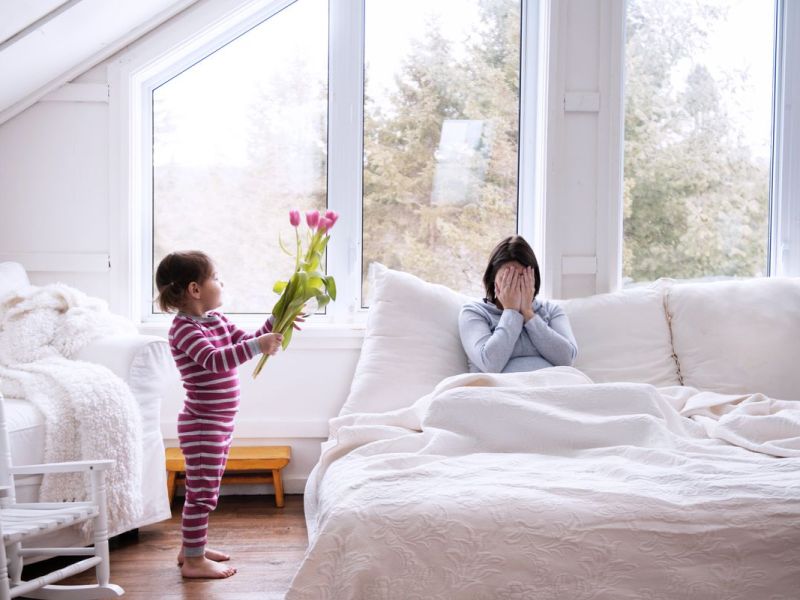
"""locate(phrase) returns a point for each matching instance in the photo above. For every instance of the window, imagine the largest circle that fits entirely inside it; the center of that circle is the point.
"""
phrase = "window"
(698, 139)
(441, 136)
(409, 119)
(420, 157)
(239, 138)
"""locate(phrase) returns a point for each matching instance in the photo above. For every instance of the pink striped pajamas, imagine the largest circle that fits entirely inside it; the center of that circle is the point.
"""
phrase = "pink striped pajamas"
(207, 351)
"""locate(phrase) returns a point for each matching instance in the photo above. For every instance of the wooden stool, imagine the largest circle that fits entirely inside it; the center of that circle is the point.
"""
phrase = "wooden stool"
(245, 463)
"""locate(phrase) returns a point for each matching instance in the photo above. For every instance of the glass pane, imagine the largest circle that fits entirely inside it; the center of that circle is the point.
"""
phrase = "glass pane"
(698, 114)
(441, 129)
(238, 139)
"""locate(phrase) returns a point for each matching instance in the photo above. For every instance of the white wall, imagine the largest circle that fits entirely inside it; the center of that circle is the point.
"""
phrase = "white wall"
(56, 207)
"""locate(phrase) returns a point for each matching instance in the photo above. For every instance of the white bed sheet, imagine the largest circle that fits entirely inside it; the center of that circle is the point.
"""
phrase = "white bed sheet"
(544, 485)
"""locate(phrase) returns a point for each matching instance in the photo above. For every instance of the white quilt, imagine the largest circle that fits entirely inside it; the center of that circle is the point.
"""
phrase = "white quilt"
(544, 485)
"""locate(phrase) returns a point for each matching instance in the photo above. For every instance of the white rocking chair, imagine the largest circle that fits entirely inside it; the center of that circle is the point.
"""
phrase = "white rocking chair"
(22, 522)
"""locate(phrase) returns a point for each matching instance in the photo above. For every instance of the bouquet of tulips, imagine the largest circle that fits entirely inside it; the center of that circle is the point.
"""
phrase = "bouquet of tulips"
(307, 282)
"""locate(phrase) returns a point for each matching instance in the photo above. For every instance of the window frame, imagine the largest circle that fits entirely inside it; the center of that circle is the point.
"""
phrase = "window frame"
(346, 36)
(784, 258)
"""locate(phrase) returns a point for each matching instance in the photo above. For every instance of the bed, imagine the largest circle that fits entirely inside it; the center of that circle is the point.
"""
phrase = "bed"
(620, 478)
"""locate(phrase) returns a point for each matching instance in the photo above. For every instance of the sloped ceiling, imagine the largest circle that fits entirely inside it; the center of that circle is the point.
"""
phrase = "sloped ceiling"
(46, 43)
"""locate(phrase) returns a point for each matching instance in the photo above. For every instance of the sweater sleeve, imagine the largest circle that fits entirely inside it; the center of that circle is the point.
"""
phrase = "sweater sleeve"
(489, 350)
(555, 342)
(238, 335)
(190, 340)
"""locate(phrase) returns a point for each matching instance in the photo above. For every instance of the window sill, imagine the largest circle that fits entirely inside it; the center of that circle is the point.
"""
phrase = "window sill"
(314, 336)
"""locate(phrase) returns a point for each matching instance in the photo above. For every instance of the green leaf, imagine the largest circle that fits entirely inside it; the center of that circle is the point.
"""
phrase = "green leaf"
(277, 309)
(279, 286)
(287, 337)
(330, 285)
(322, 300)
(316, 283)
(302, 284)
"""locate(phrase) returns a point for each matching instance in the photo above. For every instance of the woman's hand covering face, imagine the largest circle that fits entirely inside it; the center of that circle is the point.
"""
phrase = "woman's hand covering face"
(508, 287)
(514, 286)
(526, 288)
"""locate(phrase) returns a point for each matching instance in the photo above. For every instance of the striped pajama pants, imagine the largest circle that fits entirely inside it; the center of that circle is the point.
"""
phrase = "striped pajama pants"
(205, 441)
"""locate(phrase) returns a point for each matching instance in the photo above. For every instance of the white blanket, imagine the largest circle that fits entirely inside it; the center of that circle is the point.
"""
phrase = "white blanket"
(89, 412)
(544, 485)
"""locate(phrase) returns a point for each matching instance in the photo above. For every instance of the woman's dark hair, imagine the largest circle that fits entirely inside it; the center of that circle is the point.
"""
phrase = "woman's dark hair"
(515, 248)
(174, 274)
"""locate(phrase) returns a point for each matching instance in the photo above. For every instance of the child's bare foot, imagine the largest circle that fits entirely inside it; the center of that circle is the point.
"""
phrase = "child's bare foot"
(199, 567)
(211, 554)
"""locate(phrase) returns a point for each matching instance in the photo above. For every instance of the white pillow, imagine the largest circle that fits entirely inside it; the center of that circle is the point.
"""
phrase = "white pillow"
(623, 336)
(738, 336)
(12, 277)
(411, 343)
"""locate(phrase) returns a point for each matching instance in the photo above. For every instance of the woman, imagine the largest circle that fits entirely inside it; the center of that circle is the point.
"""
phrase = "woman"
(511, 330)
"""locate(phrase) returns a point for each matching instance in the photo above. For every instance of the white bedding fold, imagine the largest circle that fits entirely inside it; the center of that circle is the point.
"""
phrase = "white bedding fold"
(546, 485)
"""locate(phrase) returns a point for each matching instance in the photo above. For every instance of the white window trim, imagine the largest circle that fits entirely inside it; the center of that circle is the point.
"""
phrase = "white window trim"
(785, 210)
(180, 43)
(610, 134)
(533, 91)
(558, 258)
(345, 152)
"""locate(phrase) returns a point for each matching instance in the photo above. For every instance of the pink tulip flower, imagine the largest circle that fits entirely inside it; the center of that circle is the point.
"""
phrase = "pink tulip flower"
(312, 218)
(324, 224)
(332, 216)
(294, 217)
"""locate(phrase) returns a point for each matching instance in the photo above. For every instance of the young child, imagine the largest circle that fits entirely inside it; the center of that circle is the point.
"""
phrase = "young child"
(207, 348)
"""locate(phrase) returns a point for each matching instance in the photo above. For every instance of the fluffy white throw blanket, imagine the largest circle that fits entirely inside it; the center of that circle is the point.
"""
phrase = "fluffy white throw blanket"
(89, 412)
(545, 485)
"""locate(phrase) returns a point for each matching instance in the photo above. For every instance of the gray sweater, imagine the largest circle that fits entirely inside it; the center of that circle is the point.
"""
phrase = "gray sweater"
(498, 341)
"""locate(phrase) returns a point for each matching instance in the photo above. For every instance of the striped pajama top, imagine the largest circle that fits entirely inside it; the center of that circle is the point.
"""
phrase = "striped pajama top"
(207, 351)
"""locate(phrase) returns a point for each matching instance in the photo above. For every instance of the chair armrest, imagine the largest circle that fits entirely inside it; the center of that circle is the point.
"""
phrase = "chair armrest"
(145, 363)
(65, 467)
(120, 352)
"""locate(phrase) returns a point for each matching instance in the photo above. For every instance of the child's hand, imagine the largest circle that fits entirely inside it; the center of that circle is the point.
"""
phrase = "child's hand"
(298, 319)
(270, 343)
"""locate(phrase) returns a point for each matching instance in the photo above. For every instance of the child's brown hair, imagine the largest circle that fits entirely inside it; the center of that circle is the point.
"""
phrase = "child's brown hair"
(174, 274)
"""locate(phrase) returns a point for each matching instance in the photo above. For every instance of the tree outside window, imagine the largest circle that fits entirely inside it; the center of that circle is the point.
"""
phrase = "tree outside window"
(698, 100)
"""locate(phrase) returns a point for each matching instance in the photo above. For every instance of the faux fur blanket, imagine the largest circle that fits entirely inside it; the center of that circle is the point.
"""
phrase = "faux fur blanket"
(89, 412)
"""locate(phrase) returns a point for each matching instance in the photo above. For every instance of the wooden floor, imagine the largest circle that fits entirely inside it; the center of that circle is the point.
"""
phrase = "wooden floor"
(266, 544)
